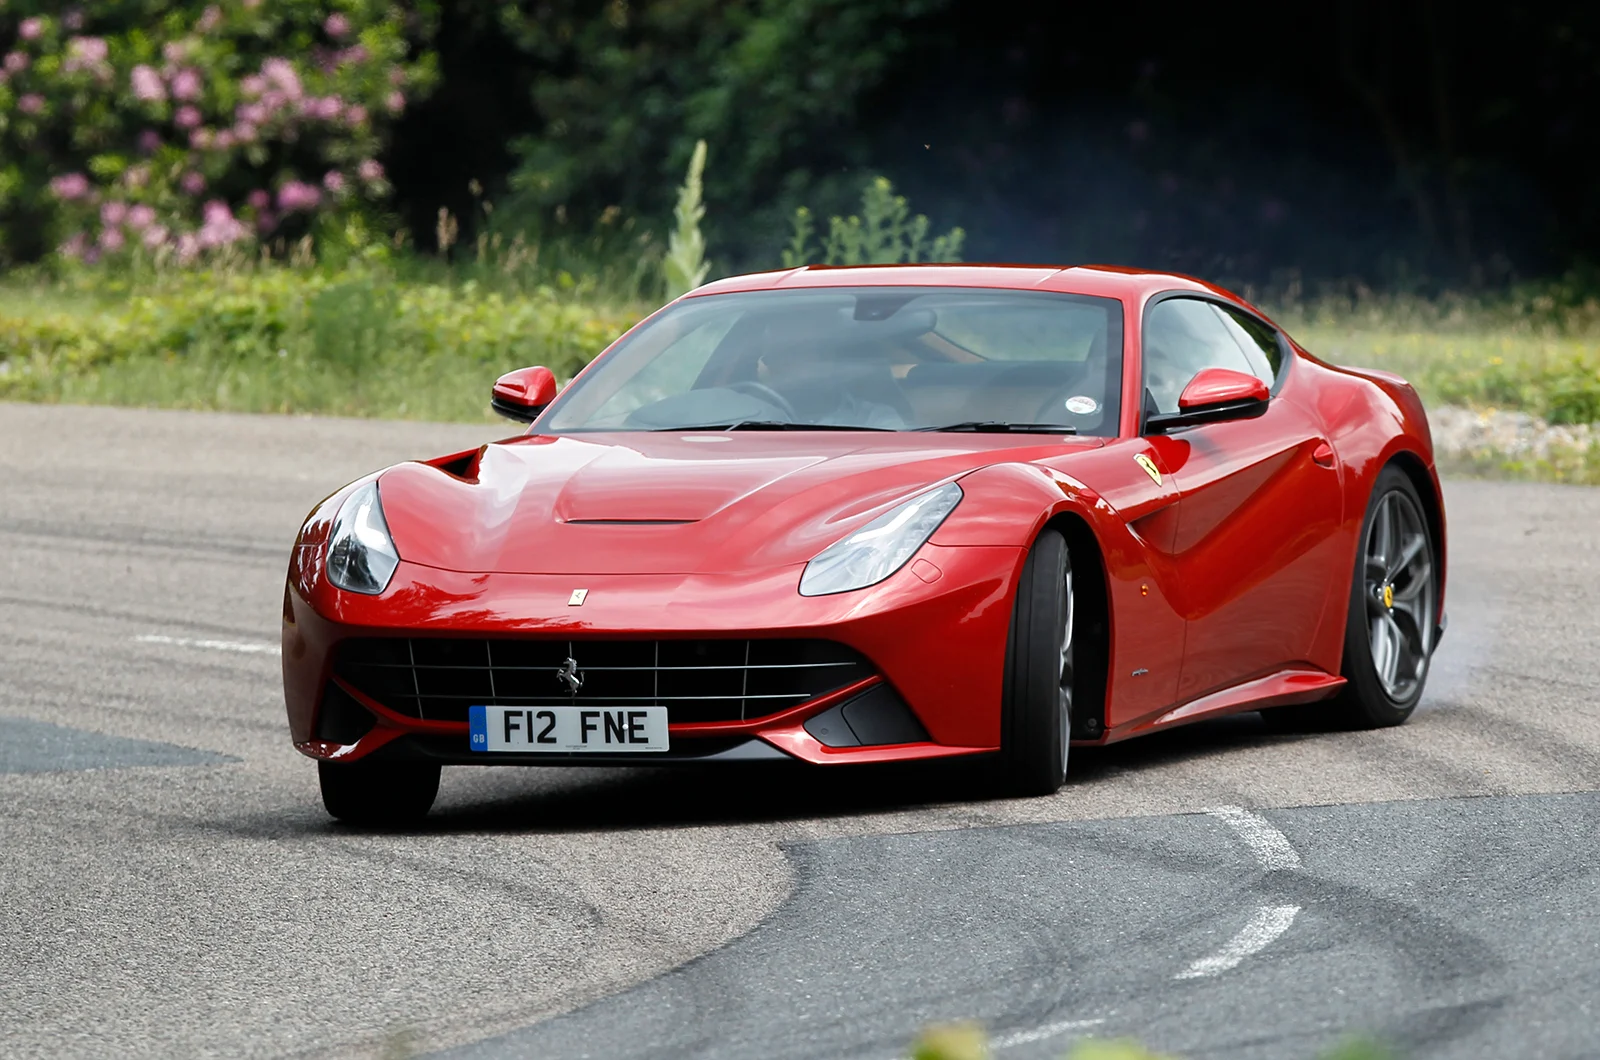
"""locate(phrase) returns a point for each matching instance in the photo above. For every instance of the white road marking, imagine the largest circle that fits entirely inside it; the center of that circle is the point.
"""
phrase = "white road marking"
(1264, 928)
(241, 646)
(1270, 846)
(1039, 1034)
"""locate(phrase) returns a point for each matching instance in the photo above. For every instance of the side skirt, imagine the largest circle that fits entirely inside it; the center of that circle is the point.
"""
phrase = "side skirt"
(1281, 689)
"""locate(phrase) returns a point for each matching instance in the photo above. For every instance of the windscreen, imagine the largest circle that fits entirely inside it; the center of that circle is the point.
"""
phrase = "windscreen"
(869, 358)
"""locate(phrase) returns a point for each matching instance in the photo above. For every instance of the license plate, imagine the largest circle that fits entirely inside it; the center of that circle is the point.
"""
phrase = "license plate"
(531, 730)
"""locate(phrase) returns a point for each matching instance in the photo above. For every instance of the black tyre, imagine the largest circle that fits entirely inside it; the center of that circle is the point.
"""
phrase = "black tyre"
(1393, 620)
(1036, 696)
(378, 794)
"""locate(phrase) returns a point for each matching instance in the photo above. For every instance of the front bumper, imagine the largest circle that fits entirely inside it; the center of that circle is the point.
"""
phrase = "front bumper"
(934, 633)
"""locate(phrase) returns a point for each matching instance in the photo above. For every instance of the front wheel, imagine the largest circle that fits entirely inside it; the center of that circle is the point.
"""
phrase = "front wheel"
(1036, 696)
(378, 794)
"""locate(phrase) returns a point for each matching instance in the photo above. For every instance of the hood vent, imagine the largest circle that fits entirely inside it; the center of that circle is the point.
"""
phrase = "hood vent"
(630, 522)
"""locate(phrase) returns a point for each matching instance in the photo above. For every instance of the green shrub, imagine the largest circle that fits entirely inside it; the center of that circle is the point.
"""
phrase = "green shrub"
(884, 233)
(360, 340)
(685, 265)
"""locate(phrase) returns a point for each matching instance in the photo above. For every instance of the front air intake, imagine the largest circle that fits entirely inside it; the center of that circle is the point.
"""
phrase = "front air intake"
(438, 678)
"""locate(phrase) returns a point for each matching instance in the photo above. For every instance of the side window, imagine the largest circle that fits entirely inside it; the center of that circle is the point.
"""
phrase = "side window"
(1183, 336)
(1259, 342)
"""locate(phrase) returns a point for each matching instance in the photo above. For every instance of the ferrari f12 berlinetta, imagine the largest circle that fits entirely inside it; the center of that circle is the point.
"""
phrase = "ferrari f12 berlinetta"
(878, 514)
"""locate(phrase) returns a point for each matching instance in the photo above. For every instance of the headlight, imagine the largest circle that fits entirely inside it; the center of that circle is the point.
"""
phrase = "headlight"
(361, 555)
(881, 547)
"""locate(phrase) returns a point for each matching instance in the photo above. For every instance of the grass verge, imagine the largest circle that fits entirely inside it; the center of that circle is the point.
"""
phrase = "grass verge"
(361, 340)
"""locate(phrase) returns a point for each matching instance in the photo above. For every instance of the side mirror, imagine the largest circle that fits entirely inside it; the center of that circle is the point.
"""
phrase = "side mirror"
(523, 394)
(1214, 394)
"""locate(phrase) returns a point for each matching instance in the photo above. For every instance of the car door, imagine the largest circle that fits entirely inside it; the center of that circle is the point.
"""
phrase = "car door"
(1259, 500)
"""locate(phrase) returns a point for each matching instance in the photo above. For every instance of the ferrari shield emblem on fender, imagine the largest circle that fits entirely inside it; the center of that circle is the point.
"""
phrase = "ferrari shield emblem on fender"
(1149, 467)
(1388, 596)
(577, 598)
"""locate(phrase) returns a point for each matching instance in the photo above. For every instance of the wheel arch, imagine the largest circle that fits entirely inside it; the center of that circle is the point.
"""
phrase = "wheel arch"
(1091, 598)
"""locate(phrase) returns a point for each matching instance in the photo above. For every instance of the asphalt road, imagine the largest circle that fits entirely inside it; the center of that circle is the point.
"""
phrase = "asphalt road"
(170, 886)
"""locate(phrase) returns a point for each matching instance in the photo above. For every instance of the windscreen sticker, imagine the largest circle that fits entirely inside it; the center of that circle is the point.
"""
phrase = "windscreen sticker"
(1082, 405)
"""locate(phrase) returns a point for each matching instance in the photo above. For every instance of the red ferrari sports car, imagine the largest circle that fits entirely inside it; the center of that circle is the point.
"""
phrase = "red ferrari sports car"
(876, 514)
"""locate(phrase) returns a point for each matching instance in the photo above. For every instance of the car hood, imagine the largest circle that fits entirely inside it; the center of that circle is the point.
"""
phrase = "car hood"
(640, 503)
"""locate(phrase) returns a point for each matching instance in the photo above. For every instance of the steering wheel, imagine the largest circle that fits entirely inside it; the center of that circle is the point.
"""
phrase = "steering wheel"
(765, 393)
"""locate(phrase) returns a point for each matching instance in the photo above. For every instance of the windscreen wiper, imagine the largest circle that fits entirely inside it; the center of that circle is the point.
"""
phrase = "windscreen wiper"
(1004, 427)
(771, 425)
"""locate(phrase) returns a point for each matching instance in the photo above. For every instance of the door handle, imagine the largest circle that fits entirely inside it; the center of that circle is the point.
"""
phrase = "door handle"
(1322, 455)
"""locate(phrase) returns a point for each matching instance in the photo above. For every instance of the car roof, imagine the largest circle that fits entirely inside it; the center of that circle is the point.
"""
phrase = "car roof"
(1109, 281)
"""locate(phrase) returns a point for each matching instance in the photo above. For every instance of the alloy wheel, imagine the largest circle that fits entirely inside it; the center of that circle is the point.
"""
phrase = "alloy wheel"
(1398, 590)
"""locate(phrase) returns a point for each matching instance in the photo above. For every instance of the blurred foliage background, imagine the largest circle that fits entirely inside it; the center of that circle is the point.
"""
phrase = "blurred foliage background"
(1398, 144)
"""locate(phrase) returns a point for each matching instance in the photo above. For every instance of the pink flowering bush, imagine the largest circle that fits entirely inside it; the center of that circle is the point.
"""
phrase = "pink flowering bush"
(178, 128)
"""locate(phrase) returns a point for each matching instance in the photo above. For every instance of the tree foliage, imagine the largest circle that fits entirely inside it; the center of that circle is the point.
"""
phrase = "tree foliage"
(624, 90)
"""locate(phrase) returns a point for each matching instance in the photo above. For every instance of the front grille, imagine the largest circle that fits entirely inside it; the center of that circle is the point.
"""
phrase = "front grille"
(696, 680)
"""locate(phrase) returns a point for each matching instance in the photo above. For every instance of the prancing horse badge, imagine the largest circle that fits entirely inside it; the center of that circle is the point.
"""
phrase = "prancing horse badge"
(577, 598)
(1149, 467)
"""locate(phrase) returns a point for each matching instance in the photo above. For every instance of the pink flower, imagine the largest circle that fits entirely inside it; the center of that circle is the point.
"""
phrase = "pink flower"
(356, 54)
(296, 195)
(86, 55)
(396, 102)
(141, 217)
(371, 170)
(355, 115)
(136, 176)
(397, 76)
(244, 133)
(333, 180)
(251, 113)
(16, 62)
(186, 118)
(252, 85)
(202, 139)
(147, 84)
(220, 227)
(186, 84)
(149, 141)
(75, 246)
(30, 28)
(192, 182)
(328, 108)
(209, 19)
(188, 248)
(89, 49)
(281, 73)
(113, 213)
(32, 103)
(70, 186)
(174, 50)
(259, 199)
(73, 19)
(110, 240)
(224, 140)
(154, 236)
(336, 25)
